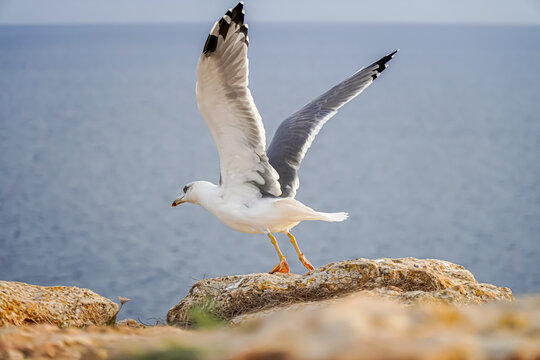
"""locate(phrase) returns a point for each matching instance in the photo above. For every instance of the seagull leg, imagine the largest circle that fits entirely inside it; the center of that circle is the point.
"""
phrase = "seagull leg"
(283, 266)
(301, 256)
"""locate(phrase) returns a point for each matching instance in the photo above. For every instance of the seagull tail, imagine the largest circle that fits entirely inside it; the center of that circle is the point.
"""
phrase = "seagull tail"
(334, 217)
(294, 209)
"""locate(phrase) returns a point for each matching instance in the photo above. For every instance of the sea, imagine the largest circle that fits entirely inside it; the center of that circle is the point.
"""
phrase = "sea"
(99, 131)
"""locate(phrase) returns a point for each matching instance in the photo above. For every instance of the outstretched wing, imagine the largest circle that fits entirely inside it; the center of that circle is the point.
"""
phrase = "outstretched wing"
(226, 104)
(296, 133)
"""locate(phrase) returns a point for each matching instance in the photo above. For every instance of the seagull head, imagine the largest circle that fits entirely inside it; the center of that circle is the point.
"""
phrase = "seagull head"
(187, 195)
(194, 192)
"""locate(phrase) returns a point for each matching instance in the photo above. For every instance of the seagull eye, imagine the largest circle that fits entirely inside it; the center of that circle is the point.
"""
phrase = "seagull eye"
(185, 189)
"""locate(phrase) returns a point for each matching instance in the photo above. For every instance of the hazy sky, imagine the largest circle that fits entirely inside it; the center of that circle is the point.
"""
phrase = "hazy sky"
(397, 11)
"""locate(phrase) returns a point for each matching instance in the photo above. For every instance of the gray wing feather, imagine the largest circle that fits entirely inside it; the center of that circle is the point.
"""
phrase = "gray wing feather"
(296, 133)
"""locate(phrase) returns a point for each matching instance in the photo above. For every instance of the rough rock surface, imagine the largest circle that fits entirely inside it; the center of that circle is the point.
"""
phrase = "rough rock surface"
(354, 327)
(22, 303)
(408, 280)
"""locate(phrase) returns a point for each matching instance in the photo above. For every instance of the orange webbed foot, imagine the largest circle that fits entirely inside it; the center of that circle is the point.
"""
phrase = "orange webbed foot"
(282, 267)
(306, 262)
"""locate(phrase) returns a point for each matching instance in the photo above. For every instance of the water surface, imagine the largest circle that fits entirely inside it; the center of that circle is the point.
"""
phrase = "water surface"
(99, 131)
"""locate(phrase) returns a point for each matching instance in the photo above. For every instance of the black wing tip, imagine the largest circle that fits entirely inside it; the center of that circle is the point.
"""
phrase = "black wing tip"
(244, 30)
(223, 27)
(210, 45)
(235, 15)
(381, 64)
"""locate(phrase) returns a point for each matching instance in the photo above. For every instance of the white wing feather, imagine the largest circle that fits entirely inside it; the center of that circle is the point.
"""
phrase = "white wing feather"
(227, 106)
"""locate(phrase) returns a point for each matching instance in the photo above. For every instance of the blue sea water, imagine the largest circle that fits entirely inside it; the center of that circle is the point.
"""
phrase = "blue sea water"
(99, 131)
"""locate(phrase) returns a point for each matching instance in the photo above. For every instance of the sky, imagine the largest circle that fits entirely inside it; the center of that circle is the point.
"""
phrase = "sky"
(516, 12)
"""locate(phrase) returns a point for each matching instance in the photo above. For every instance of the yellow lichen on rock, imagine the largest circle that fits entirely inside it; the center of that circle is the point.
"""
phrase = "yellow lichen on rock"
(407, 280)
(64, 306)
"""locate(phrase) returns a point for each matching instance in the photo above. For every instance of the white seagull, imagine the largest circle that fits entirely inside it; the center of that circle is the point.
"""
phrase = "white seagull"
(257, 186)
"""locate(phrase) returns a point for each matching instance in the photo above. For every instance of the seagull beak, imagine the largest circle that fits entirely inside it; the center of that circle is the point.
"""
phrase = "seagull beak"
(178, 201)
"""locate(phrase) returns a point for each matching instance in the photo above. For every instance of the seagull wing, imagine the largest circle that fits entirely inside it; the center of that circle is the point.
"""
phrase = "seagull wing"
(226, 104)
(296, 133)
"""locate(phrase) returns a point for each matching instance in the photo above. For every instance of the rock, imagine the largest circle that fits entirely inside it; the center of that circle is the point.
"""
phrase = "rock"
(407, 280)
(132, 323)
(353, 327)
(64, 306)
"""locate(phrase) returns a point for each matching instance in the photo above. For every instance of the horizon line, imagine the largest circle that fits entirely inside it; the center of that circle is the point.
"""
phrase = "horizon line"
(299, 22)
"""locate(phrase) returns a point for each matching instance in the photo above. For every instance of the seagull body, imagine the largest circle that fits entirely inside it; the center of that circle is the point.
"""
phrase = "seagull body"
(254, 216)
(258, 185)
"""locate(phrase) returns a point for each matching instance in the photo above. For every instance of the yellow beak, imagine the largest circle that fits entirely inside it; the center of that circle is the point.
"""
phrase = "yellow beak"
(178, 201)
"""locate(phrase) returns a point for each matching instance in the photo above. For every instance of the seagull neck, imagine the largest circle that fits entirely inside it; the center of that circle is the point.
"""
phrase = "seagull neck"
(207, 194)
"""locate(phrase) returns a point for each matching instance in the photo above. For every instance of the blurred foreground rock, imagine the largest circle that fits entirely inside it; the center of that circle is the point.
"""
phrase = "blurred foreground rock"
(22, 303)
(353, 327)
(406, 280)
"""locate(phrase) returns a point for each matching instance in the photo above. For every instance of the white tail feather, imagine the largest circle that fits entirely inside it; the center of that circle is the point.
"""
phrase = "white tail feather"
(333, 217)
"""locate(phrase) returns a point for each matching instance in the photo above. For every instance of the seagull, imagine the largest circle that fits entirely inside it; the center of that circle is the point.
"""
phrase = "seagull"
(257, 186)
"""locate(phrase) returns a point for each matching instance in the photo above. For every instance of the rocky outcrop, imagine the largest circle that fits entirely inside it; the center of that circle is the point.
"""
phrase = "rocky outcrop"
(361, 309)
(63, 306)
(353, 327)
(407, 280)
